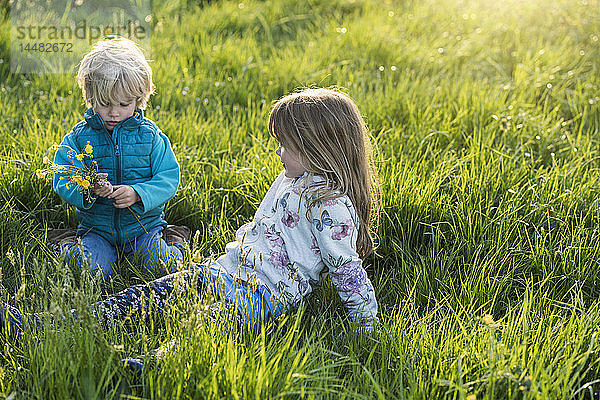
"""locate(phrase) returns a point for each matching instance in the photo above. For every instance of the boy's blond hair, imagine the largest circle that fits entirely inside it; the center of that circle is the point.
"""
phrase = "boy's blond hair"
(113, 71)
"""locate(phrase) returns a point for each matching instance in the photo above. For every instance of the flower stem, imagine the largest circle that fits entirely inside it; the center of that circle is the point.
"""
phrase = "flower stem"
(137, 219)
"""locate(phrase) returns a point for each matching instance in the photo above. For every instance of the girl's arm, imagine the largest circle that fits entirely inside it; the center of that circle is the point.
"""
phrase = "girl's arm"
(68, 191)
(335, 233)
(165, 175)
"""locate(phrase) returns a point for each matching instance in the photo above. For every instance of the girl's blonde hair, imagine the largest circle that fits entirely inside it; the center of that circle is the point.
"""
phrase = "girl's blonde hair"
(325, 127)
(114, 70)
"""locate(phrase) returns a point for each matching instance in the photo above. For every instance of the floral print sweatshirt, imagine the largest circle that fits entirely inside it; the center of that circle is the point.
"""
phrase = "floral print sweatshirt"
(289, 253)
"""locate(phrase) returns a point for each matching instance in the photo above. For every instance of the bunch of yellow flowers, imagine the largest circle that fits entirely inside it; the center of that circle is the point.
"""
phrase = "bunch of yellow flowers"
(85, 176)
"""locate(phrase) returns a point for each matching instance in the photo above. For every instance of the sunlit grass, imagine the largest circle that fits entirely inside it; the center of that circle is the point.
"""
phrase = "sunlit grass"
(486, 115)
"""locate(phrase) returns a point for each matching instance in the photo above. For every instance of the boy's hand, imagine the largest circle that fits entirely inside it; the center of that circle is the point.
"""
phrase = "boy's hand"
(103, 189)
(124, 196)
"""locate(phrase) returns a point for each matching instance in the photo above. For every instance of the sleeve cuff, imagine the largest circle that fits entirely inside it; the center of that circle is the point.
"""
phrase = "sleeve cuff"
(143, 203)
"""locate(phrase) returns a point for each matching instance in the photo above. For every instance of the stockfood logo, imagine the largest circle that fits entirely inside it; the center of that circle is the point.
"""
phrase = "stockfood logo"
(52, 36)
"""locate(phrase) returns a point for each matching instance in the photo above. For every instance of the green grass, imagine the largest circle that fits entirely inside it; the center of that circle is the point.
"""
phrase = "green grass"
(487, 118)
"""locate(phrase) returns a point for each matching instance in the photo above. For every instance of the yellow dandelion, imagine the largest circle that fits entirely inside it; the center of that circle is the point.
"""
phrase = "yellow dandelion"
(471, 397)
(40, 174)
(46, 160)
(488, 319)
(88, 148)
(76, 179)
(79, 157)
(60, 178)
(85, 183)
(68, 186)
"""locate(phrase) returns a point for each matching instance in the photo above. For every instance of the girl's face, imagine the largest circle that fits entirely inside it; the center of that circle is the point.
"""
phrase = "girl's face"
(112, 114)
(291, 162)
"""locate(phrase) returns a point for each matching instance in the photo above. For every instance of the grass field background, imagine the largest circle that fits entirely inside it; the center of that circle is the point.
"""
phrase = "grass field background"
(487, 118)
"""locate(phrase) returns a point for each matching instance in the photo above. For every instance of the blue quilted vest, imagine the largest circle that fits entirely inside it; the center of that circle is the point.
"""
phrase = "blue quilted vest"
(133, 154)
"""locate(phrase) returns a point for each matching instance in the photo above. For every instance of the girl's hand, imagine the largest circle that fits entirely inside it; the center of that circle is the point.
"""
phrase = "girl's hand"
(124, 196)
(104, 189)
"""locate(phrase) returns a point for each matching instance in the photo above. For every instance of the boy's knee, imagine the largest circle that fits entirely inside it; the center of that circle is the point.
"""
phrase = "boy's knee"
(105, 270)
(154, 262)
(82, 258)
(155, 254)
(72, 254)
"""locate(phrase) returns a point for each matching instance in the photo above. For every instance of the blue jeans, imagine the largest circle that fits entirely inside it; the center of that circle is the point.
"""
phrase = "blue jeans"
(151, 248)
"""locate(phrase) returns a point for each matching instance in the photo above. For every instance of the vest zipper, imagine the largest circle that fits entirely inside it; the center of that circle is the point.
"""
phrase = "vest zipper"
(118, 177)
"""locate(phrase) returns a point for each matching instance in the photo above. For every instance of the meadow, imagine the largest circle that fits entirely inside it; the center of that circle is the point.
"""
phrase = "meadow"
(486, 115)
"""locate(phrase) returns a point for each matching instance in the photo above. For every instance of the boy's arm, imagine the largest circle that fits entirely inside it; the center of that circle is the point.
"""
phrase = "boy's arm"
(165, 176)
(335, 234)
(67, 190)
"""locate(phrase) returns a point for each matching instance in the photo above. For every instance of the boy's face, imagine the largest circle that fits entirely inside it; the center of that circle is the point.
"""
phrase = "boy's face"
(112, 114)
